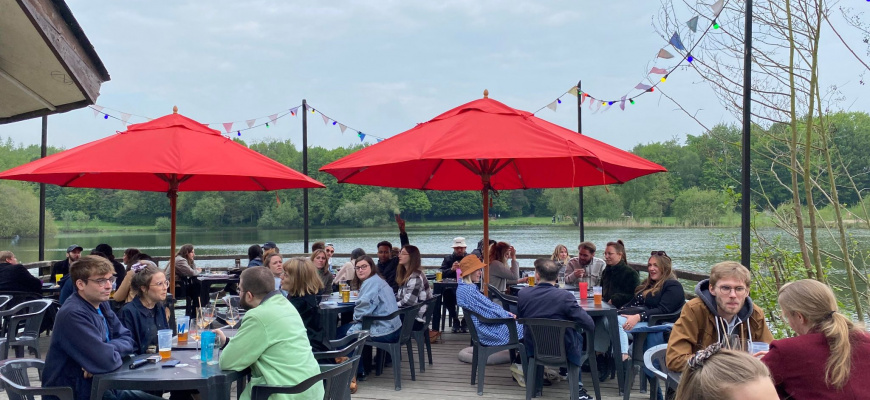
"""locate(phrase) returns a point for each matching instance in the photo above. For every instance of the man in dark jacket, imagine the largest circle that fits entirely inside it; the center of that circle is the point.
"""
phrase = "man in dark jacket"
(15, 277)
(88, 338)
(73, 253)
(545, 300)
(106, 250)
(386, 262)
(448, 296)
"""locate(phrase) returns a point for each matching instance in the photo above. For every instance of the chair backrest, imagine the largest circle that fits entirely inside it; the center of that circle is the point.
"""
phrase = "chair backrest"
(4, 300)
(548, 336)
(475, 335)
(430, 310)
(409, 314)
(15, 379)
(344, 346)
(27, 315)
(336, 383)
(656, 353)
(508, 302)
(20, 297)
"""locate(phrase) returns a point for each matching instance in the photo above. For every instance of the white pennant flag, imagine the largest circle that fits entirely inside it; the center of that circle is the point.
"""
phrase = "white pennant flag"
(552, 105)
(228, 126)
(325, 119)
(622, 103)
(342, 127)
(251, 122)
(573, 91)
(97, 110)
(273, 118)
(641, 86)
(664, 54)
(717, 7)
(124, 118)
(293, 111)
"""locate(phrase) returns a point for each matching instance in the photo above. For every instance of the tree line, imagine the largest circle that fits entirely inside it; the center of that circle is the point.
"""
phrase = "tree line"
(701, 186)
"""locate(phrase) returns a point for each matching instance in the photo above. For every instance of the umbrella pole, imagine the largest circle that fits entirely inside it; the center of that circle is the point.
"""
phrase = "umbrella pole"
(486, 236)
(173, 195)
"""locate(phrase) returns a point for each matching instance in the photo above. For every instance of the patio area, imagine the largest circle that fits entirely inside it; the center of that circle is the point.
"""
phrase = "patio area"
(450, 378)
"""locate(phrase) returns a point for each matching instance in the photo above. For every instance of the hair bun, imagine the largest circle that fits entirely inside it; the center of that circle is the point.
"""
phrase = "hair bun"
(620, 242)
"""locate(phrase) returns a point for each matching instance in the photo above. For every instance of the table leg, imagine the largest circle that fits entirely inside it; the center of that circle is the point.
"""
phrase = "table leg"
(614, 344)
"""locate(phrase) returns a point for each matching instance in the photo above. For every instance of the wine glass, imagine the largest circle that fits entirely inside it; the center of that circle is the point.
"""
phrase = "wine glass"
(232, 316)
(208, 314)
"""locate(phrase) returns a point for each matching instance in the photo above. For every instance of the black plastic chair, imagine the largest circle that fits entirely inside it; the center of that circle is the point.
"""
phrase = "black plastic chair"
(22, 324)
(637, 354)
(336, 383)
(508, 302)
(481, 352)
(344, 347)
(16, 381)
(656, 355)
(20, 297)
(4, 300)
(548, 336)
(422, 336)
(395, 349)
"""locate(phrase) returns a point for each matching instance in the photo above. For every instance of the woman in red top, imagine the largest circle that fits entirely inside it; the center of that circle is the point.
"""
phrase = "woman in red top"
(830, 356)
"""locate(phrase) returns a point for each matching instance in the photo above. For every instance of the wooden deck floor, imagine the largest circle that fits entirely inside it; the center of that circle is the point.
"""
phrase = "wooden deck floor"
(450, 378)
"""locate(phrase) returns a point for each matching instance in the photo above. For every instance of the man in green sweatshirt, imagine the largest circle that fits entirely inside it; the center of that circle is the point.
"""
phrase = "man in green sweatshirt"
(272, 340)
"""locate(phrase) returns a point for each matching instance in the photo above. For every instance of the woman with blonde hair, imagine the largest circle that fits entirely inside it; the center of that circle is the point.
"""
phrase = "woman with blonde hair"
(833, 352)
(720, 374)
(302, 285)
(321, 260)
(560, 257)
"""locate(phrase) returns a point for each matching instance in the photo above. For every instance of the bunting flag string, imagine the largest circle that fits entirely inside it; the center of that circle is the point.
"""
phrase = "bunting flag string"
(674, 41)
(343, 127)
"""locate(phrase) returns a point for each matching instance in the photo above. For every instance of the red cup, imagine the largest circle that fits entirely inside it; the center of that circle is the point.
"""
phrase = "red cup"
(583, 289)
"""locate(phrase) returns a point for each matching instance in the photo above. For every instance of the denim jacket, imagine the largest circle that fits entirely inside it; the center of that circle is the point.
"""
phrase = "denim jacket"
(376, 298)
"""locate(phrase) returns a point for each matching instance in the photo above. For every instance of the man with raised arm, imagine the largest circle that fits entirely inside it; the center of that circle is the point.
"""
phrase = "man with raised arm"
(387, 263)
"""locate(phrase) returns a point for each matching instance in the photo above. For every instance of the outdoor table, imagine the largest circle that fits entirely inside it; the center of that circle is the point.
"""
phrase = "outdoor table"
(191, 344)
(329, 317)
(600, 313)
(50, 290)
(211, 382)
(207, 281)
(439, 288)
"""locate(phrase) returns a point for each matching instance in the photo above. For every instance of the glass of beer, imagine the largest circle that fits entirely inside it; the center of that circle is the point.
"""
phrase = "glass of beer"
(164, 343)
(345, 292)
(183, 325)
(532, 280)
(596, 295)
(438, 276)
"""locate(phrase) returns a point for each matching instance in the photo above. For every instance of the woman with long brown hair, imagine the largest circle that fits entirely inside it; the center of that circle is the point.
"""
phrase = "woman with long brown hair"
(500, 275)
(413, 286)
(321, 262)
(833, 352)
(302, 285)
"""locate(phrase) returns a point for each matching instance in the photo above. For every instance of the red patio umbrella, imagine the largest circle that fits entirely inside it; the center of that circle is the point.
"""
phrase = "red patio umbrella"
(168, 154)
(486, 145)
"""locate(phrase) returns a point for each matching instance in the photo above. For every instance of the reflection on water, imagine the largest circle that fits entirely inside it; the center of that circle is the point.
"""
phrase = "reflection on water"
(693, 249)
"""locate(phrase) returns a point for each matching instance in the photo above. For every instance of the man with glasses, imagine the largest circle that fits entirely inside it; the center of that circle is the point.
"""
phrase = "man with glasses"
(722, 313)
(88, 337)
(329, 250)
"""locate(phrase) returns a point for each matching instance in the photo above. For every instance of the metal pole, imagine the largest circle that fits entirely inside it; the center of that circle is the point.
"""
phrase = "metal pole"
(747, 114)
(305, 171)
(42, 192)
(580, 131)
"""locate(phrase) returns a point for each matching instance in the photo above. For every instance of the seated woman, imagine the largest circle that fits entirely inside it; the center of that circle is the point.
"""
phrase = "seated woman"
(719, 374)
(376, 298)
(830, 356)
(618, 282)
(660, 293)
(413, 286)
(560, 257)
(501, 276)
(320, 260)
(145, 314)
(128, 257)
(302, 285)
(255, 256)
(124, 293)
(274, 263)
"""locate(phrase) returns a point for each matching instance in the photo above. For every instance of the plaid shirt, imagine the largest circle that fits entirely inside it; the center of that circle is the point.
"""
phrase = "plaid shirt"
(467, 296)
(416, 290)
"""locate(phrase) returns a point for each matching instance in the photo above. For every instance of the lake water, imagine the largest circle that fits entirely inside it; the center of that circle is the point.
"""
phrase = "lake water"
(694, 249)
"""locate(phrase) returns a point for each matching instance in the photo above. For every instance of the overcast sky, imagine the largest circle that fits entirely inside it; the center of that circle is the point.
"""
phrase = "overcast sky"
(382, 66)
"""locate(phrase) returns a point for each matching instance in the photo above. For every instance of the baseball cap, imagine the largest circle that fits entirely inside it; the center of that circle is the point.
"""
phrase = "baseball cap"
(74, 248)
(459, 242)
(269, 245)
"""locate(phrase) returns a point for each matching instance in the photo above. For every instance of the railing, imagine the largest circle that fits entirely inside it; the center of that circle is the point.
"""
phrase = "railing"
(45, 266)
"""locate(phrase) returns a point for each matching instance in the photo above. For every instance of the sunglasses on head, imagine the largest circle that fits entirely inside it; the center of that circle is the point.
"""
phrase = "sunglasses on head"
(660, 253)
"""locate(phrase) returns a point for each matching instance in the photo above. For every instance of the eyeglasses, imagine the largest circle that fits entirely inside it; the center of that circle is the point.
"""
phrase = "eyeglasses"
(103, 281)
(726, 290)
(363, 266)
(660, 253)
(164, 284)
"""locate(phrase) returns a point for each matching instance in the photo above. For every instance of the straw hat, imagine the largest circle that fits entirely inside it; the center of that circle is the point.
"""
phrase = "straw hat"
(469, 264)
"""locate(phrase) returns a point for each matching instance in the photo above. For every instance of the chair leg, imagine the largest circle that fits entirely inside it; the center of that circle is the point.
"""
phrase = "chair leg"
(530, 378)
(653, 388)
(420, 346)
(481, 371)
(396, 354)
(629, 379)
(593, 366)
(574, 380)
(474, 356)
(410, 360)
(428, 346)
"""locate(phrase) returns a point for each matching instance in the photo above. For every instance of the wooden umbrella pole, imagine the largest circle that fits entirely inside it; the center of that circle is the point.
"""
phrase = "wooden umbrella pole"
(485, 248)
(173, 196)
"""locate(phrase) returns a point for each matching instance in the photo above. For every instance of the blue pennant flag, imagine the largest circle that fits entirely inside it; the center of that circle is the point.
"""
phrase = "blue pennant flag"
(693, 24)
(675, 40)
(361, 135)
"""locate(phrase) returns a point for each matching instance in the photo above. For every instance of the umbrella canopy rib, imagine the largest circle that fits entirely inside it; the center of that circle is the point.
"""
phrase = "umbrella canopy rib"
(432, 175)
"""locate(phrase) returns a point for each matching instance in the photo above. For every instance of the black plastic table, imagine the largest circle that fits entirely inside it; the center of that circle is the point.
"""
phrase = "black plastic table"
(329, 317)
(191, 344)
(439, 288)
(207, 281)
(211, 382)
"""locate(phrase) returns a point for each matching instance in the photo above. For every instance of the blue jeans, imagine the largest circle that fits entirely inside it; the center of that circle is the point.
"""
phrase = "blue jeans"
(366, 359)
(128, 395)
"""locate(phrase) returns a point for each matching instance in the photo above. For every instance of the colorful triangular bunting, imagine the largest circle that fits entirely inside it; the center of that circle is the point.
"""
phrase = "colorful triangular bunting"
(342, 127)
(665, 54)
(656, 70)
(97, 110)
(717, 7)
(552, 105)
(693, 24)
(676, 42)
(251, 122)
(228, 126)
(325, 119)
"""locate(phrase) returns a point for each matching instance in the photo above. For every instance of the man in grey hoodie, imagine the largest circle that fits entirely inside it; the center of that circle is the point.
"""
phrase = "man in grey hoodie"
(721, 312)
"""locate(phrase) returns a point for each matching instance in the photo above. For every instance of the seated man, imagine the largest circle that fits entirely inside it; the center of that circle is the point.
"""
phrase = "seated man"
(545, 300)
(88, 337)
(272, 341)
(15, 277)
(448, 297)
(387, 262)
(585, 265)
(721, 312)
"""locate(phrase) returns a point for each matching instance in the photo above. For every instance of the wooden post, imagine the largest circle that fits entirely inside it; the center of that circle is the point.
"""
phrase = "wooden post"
(173, 195)
(486, 234)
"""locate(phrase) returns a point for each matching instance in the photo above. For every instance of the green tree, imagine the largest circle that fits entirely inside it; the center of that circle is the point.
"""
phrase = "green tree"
(280, 217)
(209, 210)
(699, 207)
(19, 212)
(414, 204)
(374, 209)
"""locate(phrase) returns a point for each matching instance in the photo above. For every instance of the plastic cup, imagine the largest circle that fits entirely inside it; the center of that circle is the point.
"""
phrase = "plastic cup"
(438, 276)
(164, 343)
(583, 289)
(207, 353)
(759, 346)
(596, 295)
(531, 281)
(183, 325)
(57, 277)
(345, 294)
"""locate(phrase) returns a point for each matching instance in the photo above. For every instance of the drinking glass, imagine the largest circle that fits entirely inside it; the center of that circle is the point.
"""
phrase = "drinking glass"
(208, 315)
(232, 316)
